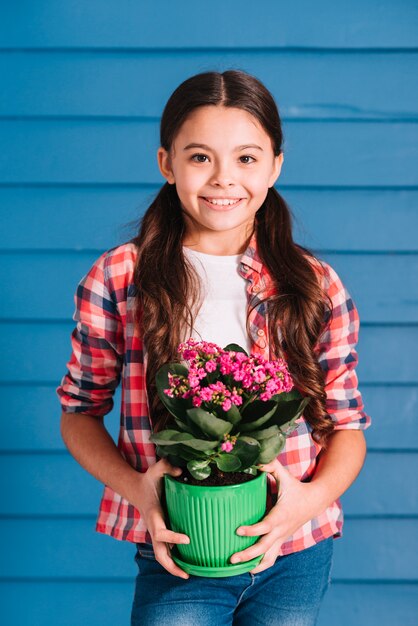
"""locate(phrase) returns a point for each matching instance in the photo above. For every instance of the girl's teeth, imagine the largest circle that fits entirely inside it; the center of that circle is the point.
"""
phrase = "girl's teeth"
(222, 202)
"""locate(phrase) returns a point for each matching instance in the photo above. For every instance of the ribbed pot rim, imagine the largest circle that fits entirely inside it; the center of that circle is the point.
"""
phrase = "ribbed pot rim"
(214, 487)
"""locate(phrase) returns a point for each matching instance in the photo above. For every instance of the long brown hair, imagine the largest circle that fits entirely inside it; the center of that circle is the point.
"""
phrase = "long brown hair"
(167, 283)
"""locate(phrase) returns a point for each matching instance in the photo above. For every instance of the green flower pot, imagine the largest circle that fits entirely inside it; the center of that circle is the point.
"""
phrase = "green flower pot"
(210, 517)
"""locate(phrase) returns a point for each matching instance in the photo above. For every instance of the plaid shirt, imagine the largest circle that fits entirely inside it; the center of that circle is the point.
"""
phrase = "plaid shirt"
(106, 347)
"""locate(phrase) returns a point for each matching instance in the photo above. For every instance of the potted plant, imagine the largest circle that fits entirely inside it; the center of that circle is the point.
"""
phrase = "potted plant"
(231, 412)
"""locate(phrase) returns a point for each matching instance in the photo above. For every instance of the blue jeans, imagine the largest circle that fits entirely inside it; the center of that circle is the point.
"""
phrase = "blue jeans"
(289, 593)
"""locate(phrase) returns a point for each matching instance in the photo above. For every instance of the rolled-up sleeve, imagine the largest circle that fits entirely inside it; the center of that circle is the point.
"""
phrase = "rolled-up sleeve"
(337, 356)
(95, 364)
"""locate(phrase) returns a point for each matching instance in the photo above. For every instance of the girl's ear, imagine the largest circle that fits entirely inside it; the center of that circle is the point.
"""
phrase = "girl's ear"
(164, 163)
(277, 166)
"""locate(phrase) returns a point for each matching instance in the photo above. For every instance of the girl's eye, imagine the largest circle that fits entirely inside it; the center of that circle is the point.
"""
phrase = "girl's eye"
(200, 156)
(247, 156)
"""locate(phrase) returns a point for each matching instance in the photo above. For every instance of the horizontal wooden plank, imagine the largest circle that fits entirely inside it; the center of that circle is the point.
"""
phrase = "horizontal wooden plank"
(50, 350)
(378, 550)
(379, 490)
(62, 548)
(368, 218)
(146, 25)
(38, 409)
(52, 603)
(110, 216)
(365, 276)
(394, 411)
(48, 604)
(33, 421)
(58, 485)
(369, 604)
(359, 85)
(124, 151)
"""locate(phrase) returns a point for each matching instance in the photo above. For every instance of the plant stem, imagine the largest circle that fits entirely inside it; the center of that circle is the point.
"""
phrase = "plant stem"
(244, 406)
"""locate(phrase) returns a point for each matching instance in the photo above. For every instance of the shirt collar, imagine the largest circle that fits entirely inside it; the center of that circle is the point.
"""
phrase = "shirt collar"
(250, 259)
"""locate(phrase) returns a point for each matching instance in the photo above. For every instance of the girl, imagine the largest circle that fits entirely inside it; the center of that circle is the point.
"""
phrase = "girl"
(215, 259)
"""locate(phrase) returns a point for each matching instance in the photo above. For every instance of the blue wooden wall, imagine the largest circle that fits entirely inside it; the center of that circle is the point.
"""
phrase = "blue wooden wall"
(82, 87)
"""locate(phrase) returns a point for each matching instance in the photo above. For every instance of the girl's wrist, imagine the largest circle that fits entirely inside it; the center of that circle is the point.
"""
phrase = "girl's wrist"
(318, 497)
(132, 485)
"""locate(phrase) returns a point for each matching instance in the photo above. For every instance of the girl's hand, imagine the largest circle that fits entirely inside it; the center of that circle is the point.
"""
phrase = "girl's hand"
(148, 502)
(295, 506)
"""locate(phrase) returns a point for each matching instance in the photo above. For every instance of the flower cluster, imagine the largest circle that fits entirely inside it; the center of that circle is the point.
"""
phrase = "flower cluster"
(229, 443)
(229, 377)
(231, 410)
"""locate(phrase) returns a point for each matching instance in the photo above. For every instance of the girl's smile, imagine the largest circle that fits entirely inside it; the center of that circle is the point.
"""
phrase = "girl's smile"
(222, 163)
(222, 204)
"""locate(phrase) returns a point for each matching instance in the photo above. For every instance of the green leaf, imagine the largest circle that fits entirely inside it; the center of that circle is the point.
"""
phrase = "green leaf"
(286, 396)
(234, 347)
(233, 415)
(197, 471)
(161, 452)
(258, 408)
(182, 436)
(251, 470)
(180, 424)
(176, 406)
(288, 411)
(201, 444)
(258, 420)
(181, 452)
(289, 427)
(200, 464)
(247, 450)
(264, 433)
(165, 437)
(177, 461)
(185, 452)
(270, 448)
(208, 423)
(228, 462)
(189, 454)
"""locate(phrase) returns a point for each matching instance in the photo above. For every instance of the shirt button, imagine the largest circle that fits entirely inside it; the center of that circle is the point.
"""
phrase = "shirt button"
(260, 332)
(255, 289)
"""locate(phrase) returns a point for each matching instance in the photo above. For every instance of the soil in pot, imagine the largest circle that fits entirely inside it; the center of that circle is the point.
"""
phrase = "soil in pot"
(216, 479)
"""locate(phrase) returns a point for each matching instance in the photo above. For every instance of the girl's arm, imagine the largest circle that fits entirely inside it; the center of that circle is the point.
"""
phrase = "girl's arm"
(89, 442)
(299, 502)
(338, 466)
(86, 395)
(91, 445)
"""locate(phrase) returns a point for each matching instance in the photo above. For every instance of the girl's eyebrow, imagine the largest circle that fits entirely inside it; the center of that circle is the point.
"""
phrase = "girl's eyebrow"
(205, 147)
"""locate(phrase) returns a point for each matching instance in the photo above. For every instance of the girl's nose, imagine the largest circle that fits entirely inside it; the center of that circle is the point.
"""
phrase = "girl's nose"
(222, 177)
(222, 181)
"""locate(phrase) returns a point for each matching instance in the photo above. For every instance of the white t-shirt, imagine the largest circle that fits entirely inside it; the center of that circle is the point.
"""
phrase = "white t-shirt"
(222, 316)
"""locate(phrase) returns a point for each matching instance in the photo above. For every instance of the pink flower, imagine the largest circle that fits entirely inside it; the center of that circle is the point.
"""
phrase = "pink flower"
(206, 394)
(259, 375)
(226, 404)
(227, 446)
(244, 378)
(193, 381)
(236, 399)
(210, 366)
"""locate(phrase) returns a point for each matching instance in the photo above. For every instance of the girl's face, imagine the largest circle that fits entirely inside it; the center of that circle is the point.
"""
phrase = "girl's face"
(222, 163)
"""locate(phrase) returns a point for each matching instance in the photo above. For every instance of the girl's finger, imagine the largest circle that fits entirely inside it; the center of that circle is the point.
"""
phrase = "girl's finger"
(163, 557)
(164, 535)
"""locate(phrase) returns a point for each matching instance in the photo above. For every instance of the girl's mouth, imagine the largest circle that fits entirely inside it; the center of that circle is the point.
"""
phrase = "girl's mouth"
(222, 204)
